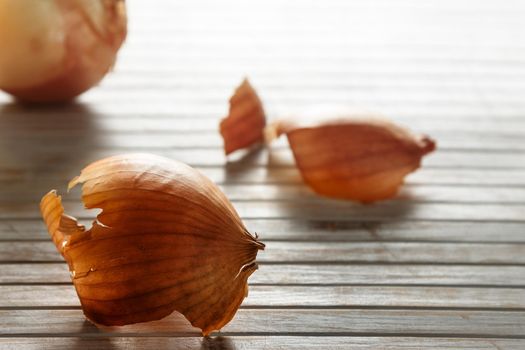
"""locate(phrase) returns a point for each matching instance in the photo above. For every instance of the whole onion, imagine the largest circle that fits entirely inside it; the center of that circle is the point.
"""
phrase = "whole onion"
(53, 50)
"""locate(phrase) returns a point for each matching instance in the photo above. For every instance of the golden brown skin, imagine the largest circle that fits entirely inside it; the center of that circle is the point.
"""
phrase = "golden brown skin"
(357, 156)
(91, 41)
(362, 160)
(167, 240)
(244, 125)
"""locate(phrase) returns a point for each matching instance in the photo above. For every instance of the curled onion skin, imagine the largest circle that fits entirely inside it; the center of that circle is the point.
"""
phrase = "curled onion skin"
(167, 240)
(362, 159)
(244, 125)
(54, 50)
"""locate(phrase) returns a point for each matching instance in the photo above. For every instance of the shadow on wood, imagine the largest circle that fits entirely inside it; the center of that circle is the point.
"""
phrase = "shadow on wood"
(54, 140)
(217, 343)
(91, 343)
(243, 160)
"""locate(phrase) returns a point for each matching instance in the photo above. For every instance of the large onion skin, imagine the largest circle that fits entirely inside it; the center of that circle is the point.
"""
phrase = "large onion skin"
(167, 240)
(54, 50)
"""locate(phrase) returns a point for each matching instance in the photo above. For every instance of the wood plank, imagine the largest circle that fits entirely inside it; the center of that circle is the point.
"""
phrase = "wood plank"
(203, 117)
(258, 342)
(293, 101)
(463, 87)
(326, 230)
(234, 173)
(202, 125)
(430, 38)
(308, 274)
(349, 252)
(371, 55)
(391, 108)
(452, 140)
(323, 210)
(36, 157)
(134, 79)
(446, 7)
(452, 194)
(46, 297)
(410, 63)
(288, 321)
(22, 191)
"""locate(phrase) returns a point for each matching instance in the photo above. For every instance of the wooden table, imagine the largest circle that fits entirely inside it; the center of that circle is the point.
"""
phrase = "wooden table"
(440, 266)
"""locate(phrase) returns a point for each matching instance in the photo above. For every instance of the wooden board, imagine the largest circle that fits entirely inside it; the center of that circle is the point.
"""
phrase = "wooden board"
(257, 342)
(440, 266)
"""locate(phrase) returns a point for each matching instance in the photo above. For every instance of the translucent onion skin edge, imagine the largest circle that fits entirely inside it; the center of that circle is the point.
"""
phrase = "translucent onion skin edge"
(167, 240)
(79, 73)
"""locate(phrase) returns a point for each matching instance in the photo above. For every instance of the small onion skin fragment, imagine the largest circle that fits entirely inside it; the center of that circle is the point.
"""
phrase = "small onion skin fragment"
(244, 125)
(54, 50)
(167, 240)
(353, 158)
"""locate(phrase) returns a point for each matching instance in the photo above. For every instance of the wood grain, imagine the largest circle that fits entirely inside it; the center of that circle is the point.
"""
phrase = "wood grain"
(473, 159)
(307, 296)
(289, 321)
(439, 267)
(326, 252)
(258, 342)
(317, 274)
(235, 173)
(332, 230)
(130, 141)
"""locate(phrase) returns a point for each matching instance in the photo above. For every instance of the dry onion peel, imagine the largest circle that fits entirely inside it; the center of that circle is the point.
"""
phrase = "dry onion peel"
(53, 50)
(244, 125)
(355, 156)
(352, 158)
(167, 239)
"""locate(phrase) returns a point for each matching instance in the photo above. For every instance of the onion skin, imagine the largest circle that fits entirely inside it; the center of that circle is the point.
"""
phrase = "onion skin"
(167, 240)
(54, 50)
(354, 156)
(244, 125)
(365, 160)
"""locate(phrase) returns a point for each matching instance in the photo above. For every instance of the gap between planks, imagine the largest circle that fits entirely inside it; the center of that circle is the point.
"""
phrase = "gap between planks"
(52, 342)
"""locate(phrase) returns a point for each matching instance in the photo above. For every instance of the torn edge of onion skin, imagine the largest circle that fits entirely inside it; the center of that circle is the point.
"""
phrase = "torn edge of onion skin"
(71, 220)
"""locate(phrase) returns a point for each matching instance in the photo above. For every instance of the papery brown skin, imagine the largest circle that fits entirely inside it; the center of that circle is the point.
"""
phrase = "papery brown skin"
(54, 50)
(167, 240)
(362, 159)
(356, 156)
(244, 125)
